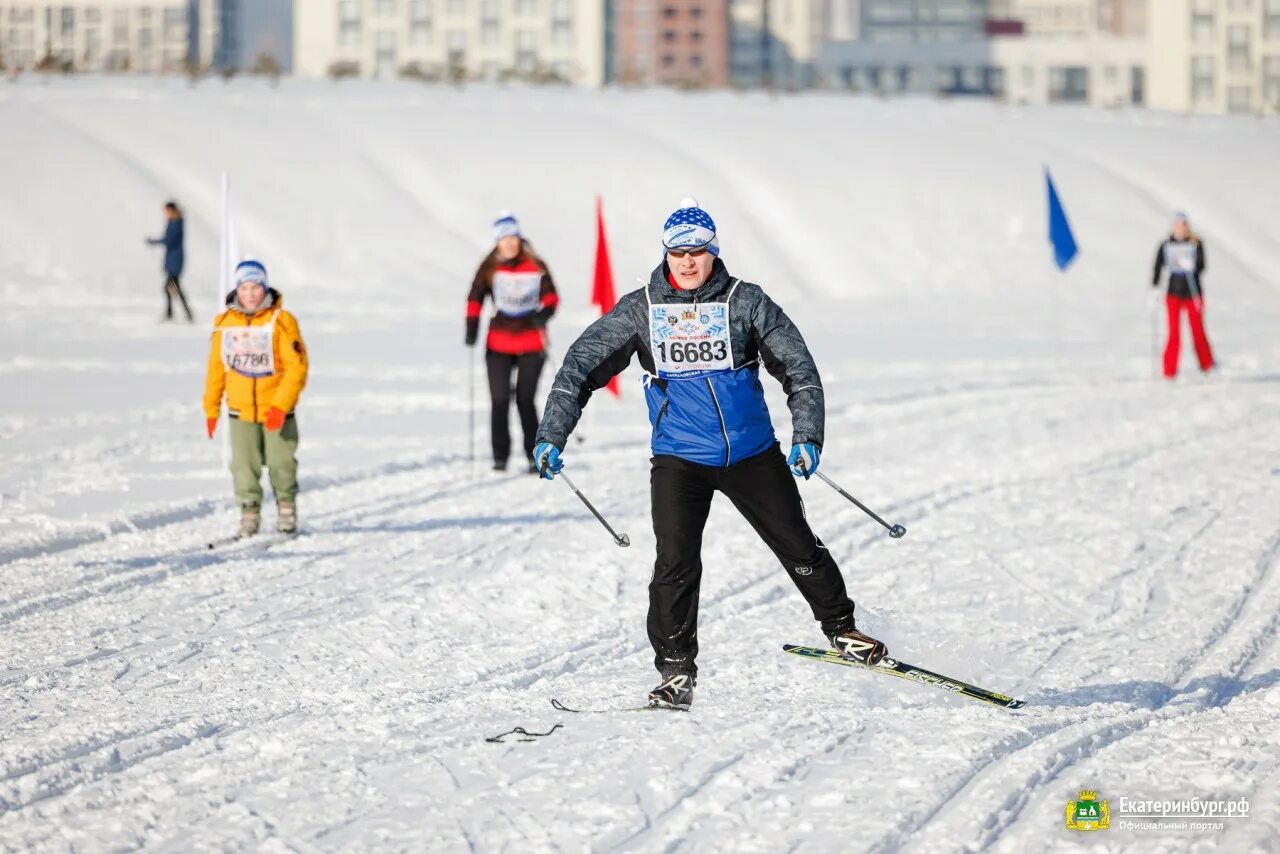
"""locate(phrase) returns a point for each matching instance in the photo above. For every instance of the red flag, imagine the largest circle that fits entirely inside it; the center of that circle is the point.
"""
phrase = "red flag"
(602, 293)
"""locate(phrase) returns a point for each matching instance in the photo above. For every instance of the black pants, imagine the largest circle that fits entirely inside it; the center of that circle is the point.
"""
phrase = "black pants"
(173, 288)
(528, 367)
(765, 493)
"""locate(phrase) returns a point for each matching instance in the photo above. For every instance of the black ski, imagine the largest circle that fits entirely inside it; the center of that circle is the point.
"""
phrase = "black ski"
(264, 541)
(902, 670)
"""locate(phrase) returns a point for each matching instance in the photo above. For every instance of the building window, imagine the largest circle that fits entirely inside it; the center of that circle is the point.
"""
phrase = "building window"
(1271, 20)
(526, 50)
(419, 22)
(1240, 5)
(144, 39)
(1271, 80)
(175, 25)
(561, 22)
(695, 12)
(668, 61)
(1238, 47)
(68, 21)
(669, 36)
(1203, 84)
(526, 7)
(1203, 25)
(1068, 84)
(1109, 75)
(696, 60)
(457, 8)
(120, 27)
(668, 13)
(349, 23)
(385, 8)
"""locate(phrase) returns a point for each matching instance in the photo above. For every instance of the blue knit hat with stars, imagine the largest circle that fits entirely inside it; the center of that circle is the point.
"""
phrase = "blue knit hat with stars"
(690, 227)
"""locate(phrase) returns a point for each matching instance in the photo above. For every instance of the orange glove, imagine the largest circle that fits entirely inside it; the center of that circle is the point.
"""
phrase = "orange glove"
(211, 424)
(275, 419)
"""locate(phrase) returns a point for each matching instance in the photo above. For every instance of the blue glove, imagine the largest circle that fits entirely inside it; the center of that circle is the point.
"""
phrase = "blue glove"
(546, 457)
(803, 459)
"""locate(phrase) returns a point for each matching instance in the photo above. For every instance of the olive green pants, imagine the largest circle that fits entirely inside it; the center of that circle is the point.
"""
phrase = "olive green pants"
(252, 446)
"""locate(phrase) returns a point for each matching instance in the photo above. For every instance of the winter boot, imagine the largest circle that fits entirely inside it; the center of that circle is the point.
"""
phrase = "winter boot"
(675, 692)
(286, 517)
(250, 520)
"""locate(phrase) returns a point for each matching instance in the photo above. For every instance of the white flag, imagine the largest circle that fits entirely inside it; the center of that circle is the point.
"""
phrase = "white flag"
(230, 256)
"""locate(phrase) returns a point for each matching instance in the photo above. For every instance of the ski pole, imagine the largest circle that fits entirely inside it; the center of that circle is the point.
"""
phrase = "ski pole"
(621, 539)
(895, 531)
(471, 409)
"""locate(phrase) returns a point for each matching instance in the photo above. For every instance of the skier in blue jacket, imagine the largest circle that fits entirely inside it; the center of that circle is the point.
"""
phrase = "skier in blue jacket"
(701, 336)
(174, 257)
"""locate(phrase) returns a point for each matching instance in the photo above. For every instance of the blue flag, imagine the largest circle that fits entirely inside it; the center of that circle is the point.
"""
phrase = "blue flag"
(1064, 242)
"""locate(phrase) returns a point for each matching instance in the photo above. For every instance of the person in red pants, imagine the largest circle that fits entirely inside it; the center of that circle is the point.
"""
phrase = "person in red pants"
(1183, 253)
(524, 298)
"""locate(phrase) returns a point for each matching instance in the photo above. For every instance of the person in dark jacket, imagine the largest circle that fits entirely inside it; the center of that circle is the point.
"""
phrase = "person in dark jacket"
(701, 336)
(172, 241)
(524, 299)
(1183, 253)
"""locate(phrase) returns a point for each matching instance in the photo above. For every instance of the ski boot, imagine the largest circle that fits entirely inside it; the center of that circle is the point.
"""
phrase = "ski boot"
(855, 646)
(250, 520)
(286, 517)
(675, 692)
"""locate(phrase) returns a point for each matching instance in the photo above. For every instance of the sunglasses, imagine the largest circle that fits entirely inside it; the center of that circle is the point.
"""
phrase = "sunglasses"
(697, 252)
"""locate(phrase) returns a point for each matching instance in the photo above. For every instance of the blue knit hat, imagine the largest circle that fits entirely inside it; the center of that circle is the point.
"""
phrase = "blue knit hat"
(505, 225)
(690, 227)
(251, 271)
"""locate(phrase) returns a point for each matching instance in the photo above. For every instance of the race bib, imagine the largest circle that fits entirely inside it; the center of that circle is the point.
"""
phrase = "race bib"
(1180, 257)
(690, 341)
(248, 350)
(516, 294)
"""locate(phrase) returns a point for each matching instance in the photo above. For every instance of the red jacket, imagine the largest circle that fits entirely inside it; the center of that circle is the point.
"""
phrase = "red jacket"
(524, 298)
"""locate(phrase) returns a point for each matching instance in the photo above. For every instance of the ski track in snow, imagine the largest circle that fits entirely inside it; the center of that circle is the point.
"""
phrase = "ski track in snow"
(1080, 536)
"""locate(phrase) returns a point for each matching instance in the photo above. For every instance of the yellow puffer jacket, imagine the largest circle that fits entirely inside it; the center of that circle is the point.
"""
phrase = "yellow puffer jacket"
(249, 397)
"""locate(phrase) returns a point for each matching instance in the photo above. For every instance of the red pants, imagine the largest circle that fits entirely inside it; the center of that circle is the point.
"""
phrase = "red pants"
(1195, 317)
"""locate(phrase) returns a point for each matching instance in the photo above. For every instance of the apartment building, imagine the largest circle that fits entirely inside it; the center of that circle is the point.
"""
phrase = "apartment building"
(1093, 52)
(776, 42)
(481, 39)
(672, 42)
(909, 46)
(1215, 56)
(104, 35)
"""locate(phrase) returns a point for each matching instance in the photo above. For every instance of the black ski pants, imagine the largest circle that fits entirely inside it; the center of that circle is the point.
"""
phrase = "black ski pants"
(173, 288)
(764, 491)
(528, 367)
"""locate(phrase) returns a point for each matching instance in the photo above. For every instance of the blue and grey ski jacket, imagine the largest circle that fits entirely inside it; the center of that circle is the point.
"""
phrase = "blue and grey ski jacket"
(716, 416)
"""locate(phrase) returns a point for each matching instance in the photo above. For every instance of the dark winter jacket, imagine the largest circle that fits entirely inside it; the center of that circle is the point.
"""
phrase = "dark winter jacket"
(1185, 260)
(715, 416)
(172, 242)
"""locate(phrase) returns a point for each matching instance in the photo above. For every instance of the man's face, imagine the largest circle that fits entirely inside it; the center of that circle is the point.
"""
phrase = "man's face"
(690, 269)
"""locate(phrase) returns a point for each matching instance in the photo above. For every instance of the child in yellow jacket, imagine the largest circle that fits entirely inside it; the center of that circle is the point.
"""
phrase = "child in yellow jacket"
(258, 361)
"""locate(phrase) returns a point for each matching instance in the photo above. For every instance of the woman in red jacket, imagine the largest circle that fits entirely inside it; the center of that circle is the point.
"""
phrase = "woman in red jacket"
(524, 298)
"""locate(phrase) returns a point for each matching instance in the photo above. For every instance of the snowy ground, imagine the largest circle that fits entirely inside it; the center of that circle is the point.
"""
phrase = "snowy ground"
(1101, 543)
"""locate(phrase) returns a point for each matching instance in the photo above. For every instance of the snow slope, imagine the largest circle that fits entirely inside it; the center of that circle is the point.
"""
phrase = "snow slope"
(1100, 543)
